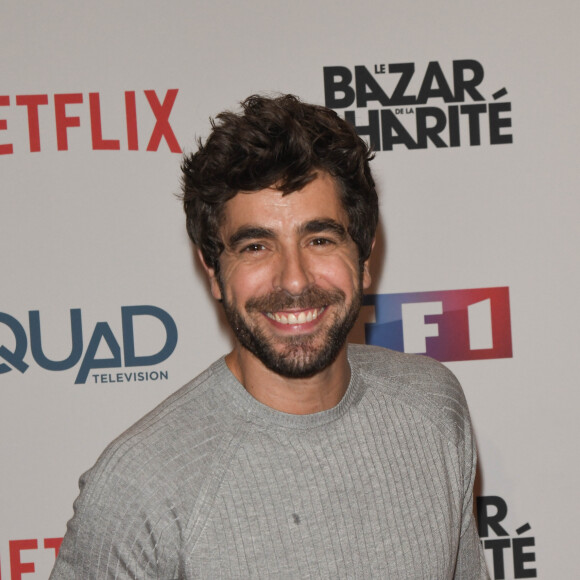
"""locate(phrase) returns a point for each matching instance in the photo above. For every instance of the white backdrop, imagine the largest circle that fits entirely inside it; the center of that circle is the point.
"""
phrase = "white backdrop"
(89, 226)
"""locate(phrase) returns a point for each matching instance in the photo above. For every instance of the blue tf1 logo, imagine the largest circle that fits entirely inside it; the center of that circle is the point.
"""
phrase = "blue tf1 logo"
(102, 333)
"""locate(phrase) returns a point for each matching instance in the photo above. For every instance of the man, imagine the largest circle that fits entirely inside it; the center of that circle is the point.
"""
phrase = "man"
(293, 456)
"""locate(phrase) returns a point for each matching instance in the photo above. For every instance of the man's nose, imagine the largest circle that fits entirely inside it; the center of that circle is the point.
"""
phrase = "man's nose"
(293, 273)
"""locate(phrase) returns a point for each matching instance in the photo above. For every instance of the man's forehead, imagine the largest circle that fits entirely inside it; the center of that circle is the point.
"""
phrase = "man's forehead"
(318, 200)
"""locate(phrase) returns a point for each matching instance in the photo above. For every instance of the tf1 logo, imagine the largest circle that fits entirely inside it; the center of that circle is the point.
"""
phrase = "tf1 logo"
(448, 325)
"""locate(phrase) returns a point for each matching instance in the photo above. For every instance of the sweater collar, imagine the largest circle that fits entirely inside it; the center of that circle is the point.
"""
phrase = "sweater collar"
(237, 396)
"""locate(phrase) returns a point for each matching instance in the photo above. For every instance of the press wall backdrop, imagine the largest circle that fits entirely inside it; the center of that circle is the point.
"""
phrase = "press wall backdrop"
(472, 109)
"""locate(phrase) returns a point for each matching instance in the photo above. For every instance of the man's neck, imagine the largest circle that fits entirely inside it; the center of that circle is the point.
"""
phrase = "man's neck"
(320, 392)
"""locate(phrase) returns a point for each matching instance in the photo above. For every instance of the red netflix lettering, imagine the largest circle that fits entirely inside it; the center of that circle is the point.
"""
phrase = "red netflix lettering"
(131, 110)
(54, 544)
(162, 127)
(62, 121)
(17, 567)
(65, 118)
(5, 148)
(16, 547)
(32, 102)
(96, 129)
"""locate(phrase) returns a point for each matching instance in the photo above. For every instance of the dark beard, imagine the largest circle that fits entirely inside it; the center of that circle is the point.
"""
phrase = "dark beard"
(298, 359)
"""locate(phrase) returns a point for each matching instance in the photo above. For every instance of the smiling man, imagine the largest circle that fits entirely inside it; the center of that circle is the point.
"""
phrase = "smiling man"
(288, 339)
(295, 455)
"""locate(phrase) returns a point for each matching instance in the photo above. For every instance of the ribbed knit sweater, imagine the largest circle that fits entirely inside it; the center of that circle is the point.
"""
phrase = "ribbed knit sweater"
(213, 484)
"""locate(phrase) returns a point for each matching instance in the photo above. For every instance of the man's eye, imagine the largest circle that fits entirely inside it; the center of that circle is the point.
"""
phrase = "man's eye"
(253, 248)
(320, 242)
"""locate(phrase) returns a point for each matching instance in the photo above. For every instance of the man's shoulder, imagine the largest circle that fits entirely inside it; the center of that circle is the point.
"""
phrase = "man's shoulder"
(149, 483)
(416, 382)
(184, 430)
(393, 367)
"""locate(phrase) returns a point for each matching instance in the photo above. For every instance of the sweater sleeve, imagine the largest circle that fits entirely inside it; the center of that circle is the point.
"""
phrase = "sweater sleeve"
(117, 532)
(135, 504)
(470, 558)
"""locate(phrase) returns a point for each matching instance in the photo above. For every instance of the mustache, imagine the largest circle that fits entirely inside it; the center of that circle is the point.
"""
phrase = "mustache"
(312, 297)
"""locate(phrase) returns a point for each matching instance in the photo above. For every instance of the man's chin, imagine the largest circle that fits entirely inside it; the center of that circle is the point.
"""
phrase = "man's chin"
(299, 359)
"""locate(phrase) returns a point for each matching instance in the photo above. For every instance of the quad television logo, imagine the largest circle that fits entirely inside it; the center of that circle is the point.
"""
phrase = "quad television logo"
(416, 107)
(13, 351)
(449, 325)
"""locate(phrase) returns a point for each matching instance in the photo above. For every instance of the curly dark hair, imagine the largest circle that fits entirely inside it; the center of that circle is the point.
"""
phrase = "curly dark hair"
(277, 142)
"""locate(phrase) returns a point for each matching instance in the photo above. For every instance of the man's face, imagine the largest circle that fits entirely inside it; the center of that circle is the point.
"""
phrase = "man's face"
(290, 278)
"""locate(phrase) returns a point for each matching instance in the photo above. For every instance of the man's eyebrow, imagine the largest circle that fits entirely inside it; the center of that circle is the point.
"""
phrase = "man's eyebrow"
(249, 233)
(324, 225)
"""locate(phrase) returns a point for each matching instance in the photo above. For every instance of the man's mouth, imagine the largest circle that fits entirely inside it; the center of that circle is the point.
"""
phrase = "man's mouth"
(301, 317)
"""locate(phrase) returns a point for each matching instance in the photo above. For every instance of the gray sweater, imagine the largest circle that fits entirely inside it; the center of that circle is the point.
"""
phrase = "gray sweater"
(213, 484)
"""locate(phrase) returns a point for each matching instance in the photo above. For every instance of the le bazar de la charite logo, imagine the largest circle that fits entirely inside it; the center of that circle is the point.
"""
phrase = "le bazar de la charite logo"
(401, 106)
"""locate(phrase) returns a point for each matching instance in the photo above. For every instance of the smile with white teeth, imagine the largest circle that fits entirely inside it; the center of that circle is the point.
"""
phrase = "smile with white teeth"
(298, 318)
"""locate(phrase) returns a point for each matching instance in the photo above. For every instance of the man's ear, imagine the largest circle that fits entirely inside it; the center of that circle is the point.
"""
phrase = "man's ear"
(213, 282)
(366, 281)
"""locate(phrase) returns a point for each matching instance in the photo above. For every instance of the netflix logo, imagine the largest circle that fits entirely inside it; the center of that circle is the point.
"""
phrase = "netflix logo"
(30, 558)
(70, 111)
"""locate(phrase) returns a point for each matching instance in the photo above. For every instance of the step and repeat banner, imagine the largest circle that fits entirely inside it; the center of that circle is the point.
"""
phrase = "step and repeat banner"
(472, 111)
